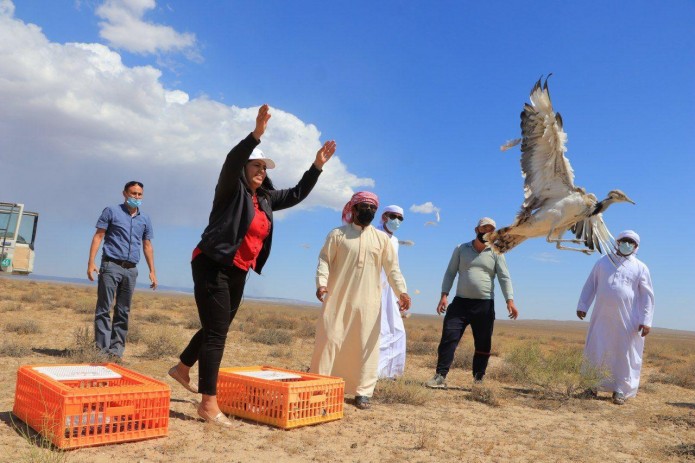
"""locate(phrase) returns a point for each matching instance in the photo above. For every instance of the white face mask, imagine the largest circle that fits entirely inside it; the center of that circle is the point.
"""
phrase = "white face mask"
(393, 224)
(626, 248)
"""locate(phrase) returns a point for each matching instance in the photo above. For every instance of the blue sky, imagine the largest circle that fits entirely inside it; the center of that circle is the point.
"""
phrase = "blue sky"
(419, 97)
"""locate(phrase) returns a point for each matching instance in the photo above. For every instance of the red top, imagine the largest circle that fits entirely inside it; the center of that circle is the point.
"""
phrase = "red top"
(251, 246)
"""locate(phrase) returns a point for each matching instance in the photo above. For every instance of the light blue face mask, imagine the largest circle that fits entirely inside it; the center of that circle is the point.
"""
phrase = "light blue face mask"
(132, 202)
(393, 224)
(626, 248)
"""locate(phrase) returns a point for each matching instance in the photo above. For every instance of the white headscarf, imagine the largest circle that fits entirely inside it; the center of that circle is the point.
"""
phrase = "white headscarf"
(628, 234)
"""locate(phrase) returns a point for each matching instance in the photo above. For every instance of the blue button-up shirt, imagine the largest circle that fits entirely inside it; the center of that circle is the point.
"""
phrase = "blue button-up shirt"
(124, 233)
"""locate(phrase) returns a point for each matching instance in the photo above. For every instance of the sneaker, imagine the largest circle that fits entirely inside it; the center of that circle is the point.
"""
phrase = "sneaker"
(437, 381)
(618, 398)
(362, 402)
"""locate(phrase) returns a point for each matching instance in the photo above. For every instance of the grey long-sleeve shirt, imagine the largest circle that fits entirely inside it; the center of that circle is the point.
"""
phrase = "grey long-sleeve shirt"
(476, 273)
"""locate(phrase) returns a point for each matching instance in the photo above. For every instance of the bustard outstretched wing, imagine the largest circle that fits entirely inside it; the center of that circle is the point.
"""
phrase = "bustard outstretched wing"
(547, 172)
(595, 235)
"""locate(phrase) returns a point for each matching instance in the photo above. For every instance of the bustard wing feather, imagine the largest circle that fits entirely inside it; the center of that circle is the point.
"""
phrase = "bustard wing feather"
(596, 236)
(547, 172)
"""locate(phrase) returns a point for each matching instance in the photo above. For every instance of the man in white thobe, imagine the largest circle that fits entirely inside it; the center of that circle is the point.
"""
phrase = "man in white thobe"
(392, 340)
(622, 316)
(349, 285)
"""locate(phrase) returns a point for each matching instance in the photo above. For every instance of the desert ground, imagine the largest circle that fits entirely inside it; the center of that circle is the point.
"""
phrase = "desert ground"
(529, 408)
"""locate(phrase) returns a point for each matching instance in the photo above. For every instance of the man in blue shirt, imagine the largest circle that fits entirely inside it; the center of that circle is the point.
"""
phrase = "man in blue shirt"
(124, 229)
(476, 265)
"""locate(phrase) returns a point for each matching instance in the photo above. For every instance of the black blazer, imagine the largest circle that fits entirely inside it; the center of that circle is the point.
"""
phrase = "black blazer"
(233, 211)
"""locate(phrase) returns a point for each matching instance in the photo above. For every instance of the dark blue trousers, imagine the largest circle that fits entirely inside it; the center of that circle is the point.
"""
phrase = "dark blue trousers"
(480, 314)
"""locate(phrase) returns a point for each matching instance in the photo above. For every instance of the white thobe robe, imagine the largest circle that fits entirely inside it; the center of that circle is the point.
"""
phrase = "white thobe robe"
(624, 301)
(347, 333)
(392, 339)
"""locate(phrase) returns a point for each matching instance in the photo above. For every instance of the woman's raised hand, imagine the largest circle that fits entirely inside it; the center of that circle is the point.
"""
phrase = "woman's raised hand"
(324, 154)
(261, 122)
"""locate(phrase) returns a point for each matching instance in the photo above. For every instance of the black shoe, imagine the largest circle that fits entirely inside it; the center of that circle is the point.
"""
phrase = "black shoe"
(478, 378)
(362, 402)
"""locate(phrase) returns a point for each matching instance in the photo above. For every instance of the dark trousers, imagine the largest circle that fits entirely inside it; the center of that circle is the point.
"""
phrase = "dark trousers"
(218, 290)
(480, 314)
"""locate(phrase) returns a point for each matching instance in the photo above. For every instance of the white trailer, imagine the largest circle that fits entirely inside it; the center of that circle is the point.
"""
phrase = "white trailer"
(17, 235)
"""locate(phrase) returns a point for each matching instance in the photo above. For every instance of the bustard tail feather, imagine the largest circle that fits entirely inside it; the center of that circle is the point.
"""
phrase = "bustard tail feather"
(502, 240)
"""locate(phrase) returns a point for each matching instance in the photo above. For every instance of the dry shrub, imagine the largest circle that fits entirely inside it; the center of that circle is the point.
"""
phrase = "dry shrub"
(424, 335)
(401, 391)
(193, 322)
(463, 358)
(420, 347)
(162, 341)
(156, 317)
(279, 352)
(427, 440)
(683, 451)
(687, 421)
(14, 349)
(484, 394)
(10, 306)
(33, 295)
(680, 374)
(135, 334)
(83, 304)
(307, 330)
(84, 350)
(272, 336)
(23, 327)
(280, 321)
(560, 373)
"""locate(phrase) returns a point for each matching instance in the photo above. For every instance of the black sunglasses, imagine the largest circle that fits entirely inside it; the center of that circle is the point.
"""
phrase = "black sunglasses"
(365, 206)
(394, 217)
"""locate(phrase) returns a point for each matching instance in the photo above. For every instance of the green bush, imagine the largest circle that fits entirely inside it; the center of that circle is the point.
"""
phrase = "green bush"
(560, 373)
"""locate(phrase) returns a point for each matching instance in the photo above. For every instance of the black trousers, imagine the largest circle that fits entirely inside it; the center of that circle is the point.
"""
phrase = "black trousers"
(218, 290)
(480, 314)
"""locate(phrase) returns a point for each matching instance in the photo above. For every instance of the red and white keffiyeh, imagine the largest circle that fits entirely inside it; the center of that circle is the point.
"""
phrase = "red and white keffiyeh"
(359, 197)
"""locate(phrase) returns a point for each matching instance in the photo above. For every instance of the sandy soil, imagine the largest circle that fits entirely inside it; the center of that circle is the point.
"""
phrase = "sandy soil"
(657, 426)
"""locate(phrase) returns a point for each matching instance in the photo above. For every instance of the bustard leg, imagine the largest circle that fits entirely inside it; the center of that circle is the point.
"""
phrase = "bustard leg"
(558, 243)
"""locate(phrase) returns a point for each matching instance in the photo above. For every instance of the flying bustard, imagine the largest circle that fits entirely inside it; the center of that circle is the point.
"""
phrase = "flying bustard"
(552, 203)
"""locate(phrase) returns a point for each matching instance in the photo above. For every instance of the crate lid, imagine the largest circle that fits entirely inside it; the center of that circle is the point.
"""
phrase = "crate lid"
(77, 372)
(269, 374)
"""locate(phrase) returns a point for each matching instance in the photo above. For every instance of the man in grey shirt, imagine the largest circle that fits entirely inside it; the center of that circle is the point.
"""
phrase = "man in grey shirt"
(476, 265)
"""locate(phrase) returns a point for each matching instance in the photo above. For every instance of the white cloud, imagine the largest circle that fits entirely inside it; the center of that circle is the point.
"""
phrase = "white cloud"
(547, 257)
(76, 124)
(123, 27)
(426, 208)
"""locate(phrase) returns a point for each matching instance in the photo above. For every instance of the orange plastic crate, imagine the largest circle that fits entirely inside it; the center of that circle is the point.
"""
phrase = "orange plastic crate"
(87, 412)
(287, 404)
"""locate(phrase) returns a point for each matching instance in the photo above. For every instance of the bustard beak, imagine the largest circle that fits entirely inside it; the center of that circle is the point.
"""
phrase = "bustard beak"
(629, 200)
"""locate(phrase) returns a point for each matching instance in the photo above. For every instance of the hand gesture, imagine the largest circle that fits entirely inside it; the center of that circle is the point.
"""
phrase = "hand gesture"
(511, 308)
(261, 122)
(153, 279)
(91, 270)
(324, 154)
(644, 329)
(404, 302)
(581, 315)
(441, 307)
(321, 293)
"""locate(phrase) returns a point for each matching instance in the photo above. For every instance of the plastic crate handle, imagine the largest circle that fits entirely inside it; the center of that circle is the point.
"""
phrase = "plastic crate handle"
(318, 398)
